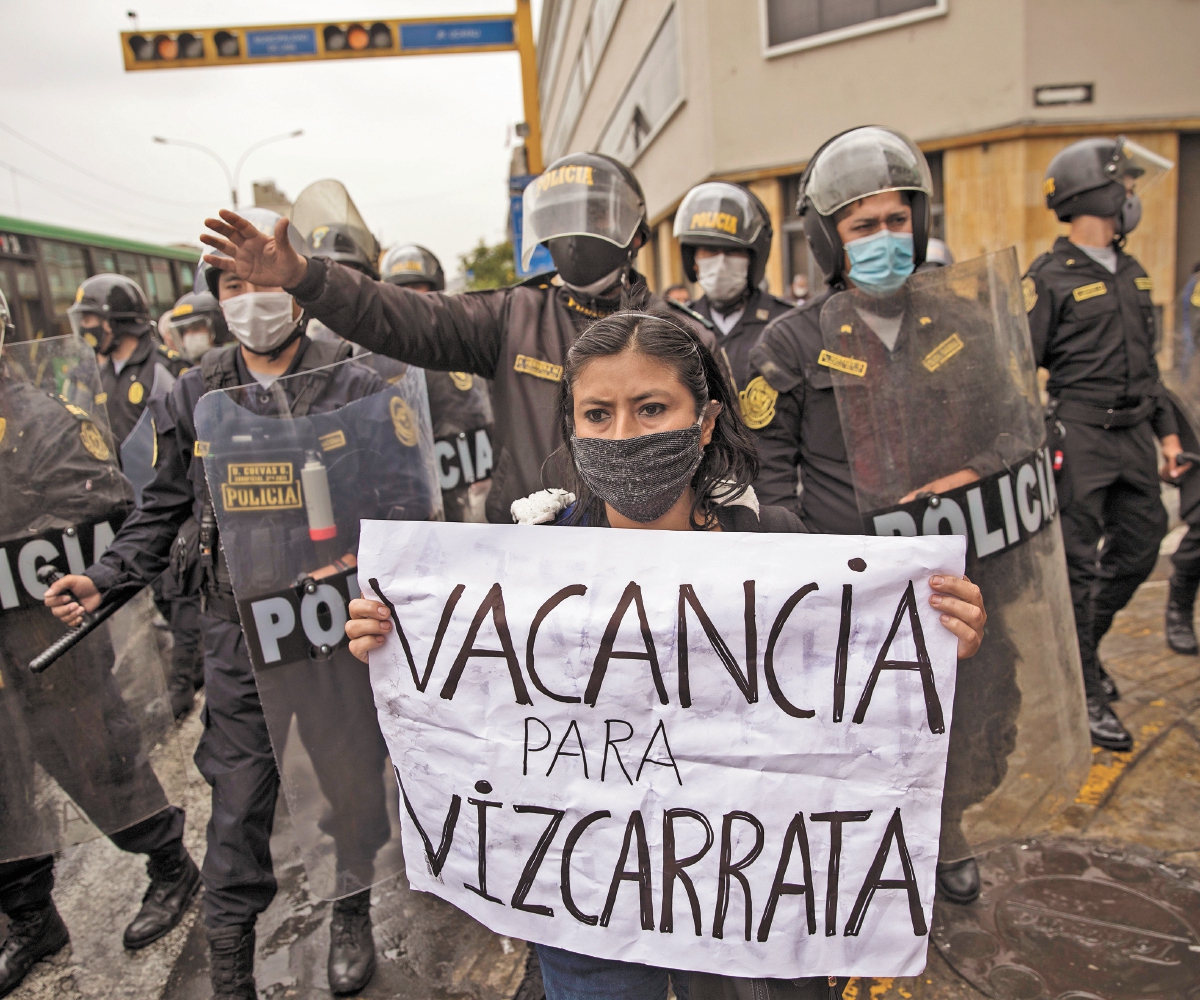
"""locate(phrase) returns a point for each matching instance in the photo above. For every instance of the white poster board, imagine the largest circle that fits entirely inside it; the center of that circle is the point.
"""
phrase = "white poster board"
(713, 752)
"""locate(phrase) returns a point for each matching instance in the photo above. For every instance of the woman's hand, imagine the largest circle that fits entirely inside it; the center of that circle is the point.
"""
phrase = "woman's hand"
(369, 624)
(961, 605)
(64, 607)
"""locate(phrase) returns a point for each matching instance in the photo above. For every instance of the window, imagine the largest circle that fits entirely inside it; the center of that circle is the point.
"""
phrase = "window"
(595, 37)
(185, 275)
(66, 270)
(653, 94)
(790, 25)
(937, 204)
(160, 290)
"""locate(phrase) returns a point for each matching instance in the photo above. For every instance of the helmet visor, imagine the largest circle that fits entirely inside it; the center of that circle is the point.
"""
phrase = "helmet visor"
(578, 200)
(718, 213)
(864, 162)
(86, 324)
(1136, 167)
(328, 203)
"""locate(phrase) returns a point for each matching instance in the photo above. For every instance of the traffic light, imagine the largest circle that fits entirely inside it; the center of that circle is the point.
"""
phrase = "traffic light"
(356, 38)
(165, 47)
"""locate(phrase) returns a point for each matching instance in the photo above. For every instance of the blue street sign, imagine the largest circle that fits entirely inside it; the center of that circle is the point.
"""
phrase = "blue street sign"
(285, 42)
(542, 261)
(455, 34)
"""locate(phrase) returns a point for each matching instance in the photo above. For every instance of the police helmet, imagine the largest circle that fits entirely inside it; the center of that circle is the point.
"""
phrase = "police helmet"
(265, 221)
(117, 300)
(588, 195)
(333, 227)
(341, 243)
(723, 217)
(411, 264)
(855, 165)
(1096, 176)
(196, 309)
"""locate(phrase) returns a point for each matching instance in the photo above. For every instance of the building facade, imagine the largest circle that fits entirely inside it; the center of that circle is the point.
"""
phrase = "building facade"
(745, 90)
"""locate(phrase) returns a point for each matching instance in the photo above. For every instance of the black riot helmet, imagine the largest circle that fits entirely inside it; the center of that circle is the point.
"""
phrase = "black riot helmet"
(723, 216)
(1102, 177)
(199, 323)
(332, 227)
(855, 165)
(265, 221)
(116, 300)
(587, 208)
(411, 264)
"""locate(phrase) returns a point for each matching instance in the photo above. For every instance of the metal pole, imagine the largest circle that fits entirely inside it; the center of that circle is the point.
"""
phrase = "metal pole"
(203, 149)
(529, 86)
(237, 171)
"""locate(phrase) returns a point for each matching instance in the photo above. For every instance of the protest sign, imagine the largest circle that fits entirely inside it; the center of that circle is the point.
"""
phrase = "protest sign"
(711, 752)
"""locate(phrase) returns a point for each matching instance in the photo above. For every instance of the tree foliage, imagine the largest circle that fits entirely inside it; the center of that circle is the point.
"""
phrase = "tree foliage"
(489, 267)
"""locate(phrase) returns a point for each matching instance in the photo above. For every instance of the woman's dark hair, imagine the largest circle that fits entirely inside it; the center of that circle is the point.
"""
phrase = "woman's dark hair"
(730, 460)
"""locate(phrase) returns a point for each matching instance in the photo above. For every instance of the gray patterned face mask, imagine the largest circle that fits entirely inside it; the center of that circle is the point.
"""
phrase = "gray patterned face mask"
(640, 477)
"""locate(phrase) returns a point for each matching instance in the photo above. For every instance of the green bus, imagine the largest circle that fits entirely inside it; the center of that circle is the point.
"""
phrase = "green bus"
(41, 267)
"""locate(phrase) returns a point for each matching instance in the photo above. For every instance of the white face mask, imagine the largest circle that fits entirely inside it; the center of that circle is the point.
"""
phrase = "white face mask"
(722, 277)
(196, 343)
(261, 321)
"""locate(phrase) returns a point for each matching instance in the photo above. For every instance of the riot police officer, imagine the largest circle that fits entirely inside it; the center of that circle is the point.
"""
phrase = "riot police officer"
(459, 402)
(72, 720)
(587, 208)
(111, 313)
(865, 200)
(199, 324)
(235, 752)
(1091, 319)
(724, 235)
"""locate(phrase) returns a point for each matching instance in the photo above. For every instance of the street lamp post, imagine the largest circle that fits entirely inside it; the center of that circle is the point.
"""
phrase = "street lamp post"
(231, 176)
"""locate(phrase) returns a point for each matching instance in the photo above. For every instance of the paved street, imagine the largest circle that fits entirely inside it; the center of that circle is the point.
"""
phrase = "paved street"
(1148, 799)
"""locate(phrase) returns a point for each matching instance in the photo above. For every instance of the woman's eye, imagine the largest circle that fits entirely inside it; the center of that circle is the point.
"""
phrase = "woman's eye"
(595, 416)
(653, 409)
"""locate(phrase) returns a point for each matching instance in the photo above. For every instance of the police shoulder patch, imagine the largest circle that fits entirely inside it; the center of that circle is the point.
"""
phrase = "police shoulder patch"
(1029, 290)
(462, 380)
(757, 402)
(93, 440)
(137, 392)
(404, 422)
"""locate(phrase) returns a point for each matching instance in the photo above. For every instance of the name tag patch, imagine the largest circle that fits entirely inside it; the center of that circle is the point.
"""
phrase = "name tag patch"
(538, 368)
(260, 486)
(1144, 284)
(943, 352)
(838, 362)
(1085, 292)
(335, 439)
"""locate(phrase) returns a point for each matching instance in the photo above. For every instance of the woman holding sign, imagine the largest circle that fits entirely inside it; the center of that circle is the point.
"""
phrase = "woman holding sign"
(657, 441)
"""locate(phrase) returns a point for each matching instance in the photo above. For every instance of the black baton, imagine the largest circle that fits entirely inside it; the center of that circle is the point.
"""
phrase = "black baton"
(47, 575)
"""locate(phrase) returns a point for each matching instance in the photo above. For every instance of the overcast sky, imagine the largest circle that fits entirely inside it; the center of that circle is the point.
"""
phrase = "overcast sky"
(419, 142)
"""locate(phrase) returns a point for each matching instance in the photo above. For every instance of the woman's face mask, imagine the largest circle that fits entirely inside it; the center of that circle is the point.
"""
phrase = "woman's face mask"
(261, 321)
(722, 277)
(641, 477)
(880, 263)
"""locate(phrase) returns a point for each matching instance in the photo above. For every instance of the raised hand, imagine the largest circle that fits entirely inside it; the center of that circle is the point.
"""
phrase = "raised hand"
(266, 261)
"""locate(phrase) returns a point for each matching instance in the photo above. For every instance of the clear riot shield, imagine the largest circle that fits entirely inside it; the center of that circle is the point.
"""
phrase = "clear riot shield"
(75, 741)
(289, 491)
(935, 380)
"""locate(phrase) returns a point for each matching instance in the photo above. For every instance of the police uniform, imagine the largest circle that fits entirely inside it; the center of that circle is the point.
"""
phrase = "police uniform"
(460, 407)
(756, 312)
(516, 337)
(1094, 331)
(84, 735)
(235, 752)
(127, 392)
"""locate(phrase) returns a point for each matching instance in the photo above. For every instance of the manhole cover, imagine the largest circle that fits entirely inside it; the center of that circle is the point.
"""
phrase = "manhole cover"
(1076, 920)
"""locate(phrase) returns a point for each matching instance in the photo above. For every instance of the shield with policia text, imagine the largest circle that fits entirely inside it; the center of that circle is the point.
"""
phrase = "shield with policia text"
(937, 380)
(292, 469)
(79, 742)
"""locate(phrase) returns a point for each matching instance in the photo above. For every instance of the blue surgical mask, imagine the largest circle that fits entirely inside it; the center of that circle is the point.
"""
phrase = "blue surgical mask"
(880, 263)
